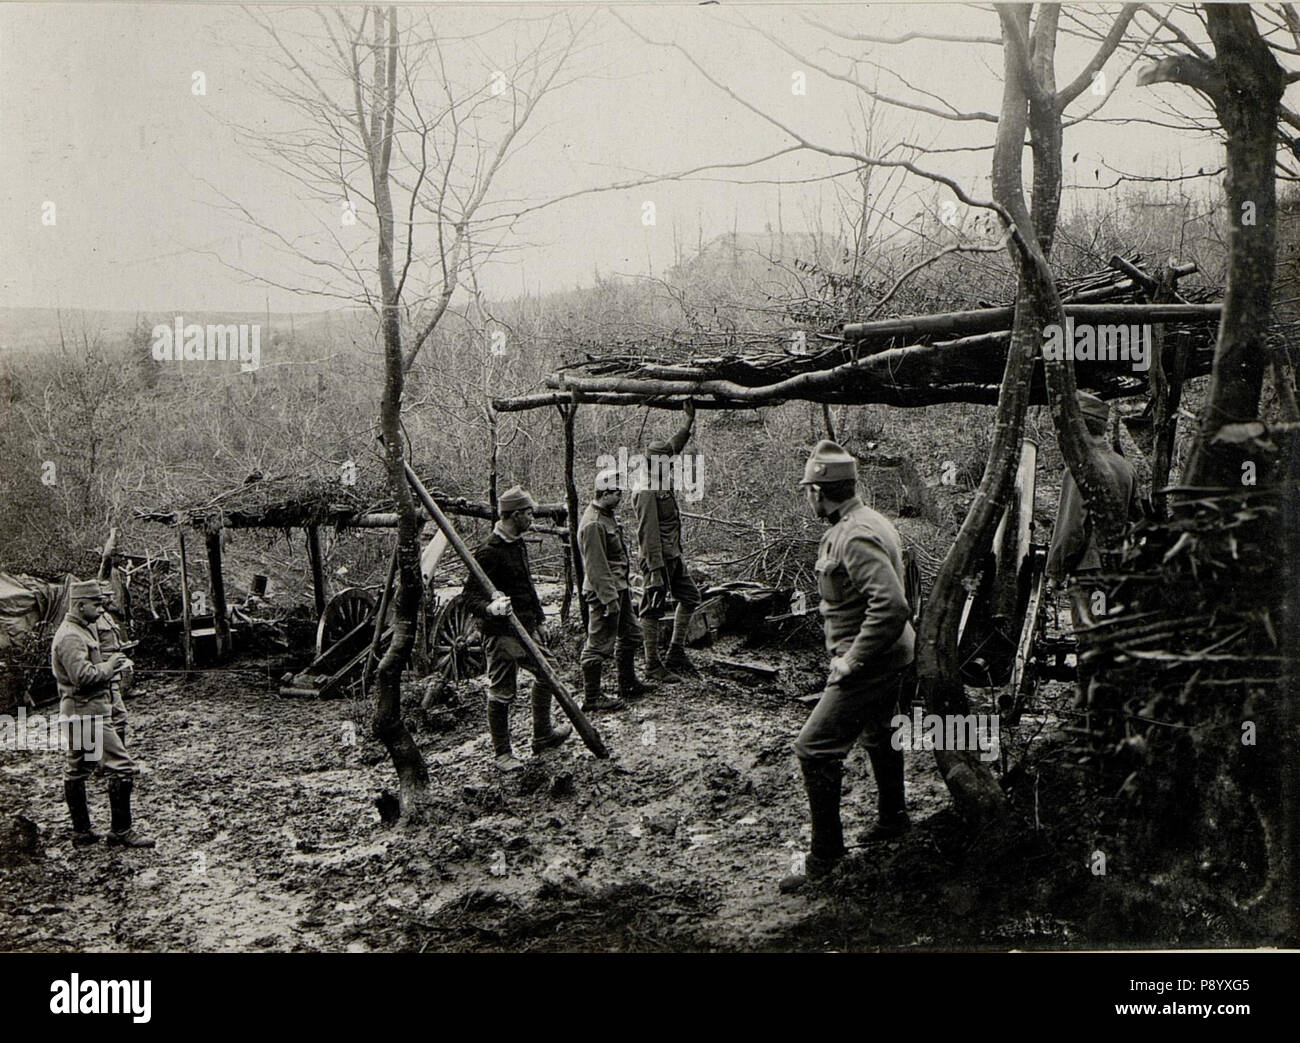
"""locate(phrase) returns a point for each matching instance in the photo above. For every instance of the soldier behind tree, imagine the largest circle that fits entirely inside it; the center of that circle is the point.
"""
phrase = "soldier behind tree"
(84, 676)
(504, 559)
(659, 536)
(1073, 554)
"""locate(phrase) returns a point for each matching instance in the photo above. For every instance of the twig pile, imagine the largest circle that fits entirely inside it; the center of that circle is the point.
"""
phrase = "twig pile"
(962, 352)
(1193, 651)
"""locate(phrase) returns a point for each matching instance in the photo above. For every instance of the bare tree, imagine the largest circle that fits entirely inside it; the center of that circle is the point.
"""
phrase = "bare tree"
(400, 126)
(1244, 83)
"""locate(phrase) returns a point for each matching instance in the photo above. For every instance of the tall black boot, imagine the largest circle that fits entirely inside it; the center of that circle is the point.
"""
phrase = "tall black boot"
(629, 685)
(592, 699)
(498, 715)
(821, 780)
(655, 670)
(677, 660)
(74, 792)
(891, 806)
(119, 799)
(546, 737)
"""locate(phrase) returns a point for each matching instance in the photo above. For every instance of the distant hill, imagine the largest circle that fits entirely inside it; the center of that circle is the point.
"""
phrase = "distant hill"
(27, 330)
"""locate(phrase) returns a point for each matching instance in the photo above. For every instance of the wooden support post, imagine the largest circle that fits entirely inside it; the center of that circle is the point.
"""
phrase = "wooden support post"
(317, 569)
(1168, 370)
(569, 413)
(567, 555)
(217, 583)
(492, 461)
(186, 640)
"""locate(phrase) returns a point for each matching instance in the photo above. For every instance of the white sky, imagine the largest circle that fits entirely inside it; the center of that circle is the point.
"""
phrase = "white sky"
(97, 115)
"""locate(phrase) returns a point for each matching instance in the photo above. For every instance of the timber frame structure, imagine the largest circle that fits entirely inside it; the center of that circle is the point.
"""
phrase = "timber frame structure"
(293, 502)
(905, 362)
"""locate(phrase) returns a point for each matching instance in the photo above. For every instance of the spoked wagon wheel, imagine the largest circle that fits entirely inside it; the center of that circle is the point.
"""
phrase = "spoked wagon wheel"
(456, 642)
(346, 611)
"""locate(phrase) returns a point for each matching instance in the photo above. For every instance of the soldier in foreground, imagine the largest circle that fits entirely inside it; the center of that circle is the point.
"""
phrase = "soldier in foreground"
(869, 635)
(611, 627)
(84, 677)
(659, 536)
(504, 558)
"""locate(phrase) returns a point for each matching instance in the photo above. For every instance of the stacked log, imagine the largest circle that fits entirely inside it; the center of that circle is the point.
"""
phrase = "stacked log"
(901, 361)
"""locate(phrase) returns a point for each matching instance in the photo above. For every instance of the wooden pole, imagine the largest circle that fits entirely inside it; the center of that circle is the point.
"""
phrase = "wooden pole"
(568, 581)
(317, 568)
(217, 583)
(492, 462)
(584, 727)
(569, 413)
(186, 640)
(1168, 370)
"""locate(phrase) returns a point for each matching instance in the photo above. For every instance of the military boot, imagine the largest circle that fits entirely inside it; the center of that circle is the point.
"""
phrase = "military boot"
(821, 780)
(655, 670)
(592, 699)
(629, 685)
(119, 799)
(677, 660)
(891, 807)
(498, 715)
(74, 792)
(546, 737)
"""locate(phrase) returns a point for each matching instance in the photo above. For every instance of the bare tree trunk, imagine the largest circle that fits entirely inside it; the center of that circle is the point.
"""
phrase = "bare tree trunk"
(408, 761)
(1245, 84)
(970, 782)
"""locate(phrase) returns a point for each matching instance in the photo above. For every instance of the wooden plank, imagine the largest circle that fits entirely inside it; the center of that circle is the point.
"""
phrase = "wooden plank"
(761, 670)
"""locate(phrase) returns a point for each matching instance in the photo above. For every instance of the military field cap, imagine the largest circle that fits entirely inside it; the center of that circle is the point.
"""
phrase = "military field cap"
(1091, 406)
(515, 499)
(86, 590)
(829, 463)
(607, 481)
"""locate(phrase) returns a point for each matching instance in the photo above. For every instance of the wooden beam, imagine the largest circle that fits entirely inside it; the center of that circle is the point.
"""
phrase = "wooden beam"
(985, 320)
(671, 402)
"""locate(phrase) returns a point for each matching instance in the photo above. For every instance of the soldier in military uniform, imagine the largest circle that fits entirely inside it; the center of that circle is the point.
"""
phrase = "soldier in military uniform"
(84, 676)
(504, 558)
(869, 636)
(611, 627)
(659, 536)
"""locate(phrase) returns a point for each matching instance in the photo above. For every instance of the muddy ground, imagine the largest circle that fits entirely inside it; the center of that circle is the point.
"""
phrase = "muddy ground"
(270, 837)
